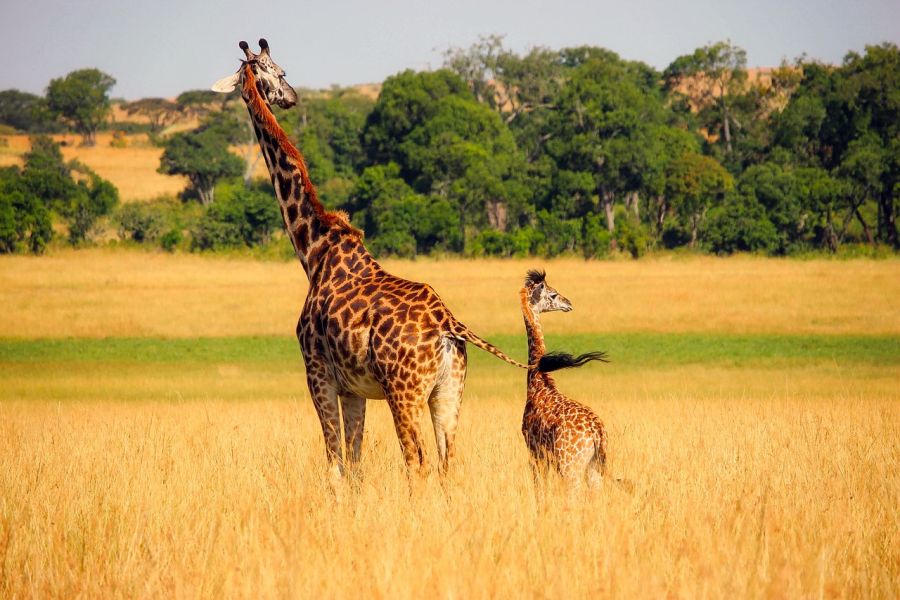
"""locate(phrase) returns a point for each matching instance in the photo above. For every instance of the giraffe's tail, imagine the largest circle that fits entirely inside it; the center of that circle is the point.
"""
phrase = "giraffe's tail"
(461, 332)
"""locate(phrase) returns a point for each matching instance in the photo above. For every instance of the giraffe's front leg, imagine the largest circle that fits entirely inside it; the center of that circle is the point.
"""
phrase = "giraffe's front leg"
(353, 409)
(325, 398)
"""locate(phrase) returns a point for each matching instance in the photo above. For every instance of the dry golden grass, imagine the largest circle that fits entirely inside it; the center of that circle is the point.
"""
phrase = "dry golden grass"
(131, 169)
(109, 294)
(748, 484)
(140, 476)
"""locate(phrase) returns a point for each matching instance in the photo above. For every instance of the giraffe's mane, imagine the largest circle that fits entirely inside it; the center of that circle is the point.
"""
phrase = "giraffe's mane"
(535, 276)
(262, 112)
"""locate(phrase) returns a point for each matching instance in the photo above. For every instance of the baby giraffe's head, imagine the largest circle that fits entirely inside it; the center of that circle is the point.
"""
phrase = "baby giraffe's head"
(541, 297)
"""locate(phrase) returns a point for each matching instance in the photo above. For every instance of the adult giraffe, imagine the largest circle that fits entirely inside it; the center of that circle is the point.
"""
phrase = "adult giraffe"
(363, 332)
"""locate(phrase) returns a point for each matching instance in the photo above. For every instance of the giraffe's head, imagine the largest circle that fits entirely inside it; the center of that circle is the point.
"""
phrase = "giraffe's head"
(542, 297)
(269, 77)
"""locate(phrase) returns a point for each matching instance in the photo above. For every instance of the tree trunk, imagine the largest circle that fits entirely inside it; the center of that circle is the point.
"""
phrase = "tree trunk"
(497, 214)
(607, 200)
(661, 210)
(695, 220)
(831, 238)
(633, 204)
(865, 225)
(888, 218)
(726, 127)
(205, 192)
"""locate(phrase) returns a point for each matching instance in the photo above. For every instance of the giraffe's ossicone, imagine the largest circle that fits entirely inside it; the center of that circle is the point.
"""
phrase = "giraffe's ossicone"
(363, 332)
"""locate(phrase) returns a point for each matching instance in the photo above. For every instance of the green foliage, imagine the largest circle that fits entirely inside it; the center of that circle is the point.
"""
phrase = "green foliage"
(504, 154)
(329, 131)
(202, 155)
(81, 100)
(24, 218)
(739, 224)
(141, 222)
(241, 218)
(24, 112)
(170, 240)
(693, 183)
(398, 220)
(94, 198)
(49, 184)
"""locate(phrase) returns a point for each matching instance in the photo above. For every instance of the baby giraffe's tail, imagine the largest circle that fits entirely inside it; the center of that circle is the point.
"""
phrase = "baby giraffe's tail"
(553, 361)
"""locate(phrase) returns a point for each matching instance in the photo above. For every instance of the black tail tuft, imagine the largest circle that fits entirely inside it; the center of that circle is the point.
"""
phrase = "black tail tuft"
(554, 361)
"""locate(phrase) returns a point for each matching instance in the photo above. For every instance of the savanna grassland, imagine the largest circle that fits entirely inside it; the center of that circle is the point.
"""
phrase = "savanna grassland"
(157, 439)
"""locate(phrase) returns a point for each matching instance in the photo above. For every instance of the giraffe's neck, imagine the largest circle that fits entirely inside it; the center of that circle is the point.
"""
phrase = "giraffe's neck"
(536, 348)
(308, 223)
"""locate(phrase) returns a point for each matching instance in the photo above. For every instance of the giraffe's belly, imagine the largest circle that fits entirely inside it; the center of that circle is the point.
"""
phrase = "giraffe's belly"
(359, 383)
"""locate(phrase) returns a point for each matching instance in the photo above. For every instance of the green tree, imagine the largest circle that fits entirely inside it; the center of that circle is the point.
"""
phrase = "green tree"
(398, 220)
(202, 155)
(70, 189)
(712, 77)
(160, 112)
(81, 100)
(24, 111)
(24, 217)
(243, 217)
(606, 119)
(329, 130)
(407, 100)
(693, 183)
(94, 197)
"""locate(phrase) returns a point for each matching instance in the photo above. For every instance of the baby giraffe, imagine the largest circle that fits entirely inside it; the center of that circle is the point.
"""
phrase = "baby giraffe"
(559, 432)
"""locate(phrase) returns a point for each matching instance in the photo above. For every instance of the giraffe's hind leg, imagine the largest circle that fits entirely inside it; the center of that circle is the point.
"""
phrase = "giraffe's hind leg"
(445, 400)
(353, 410)
(406, 408)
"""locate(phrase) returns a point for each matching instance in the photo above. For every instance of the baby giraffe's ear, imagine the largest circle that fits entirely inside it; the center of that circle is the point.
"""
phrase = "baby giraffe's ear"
(226, 84)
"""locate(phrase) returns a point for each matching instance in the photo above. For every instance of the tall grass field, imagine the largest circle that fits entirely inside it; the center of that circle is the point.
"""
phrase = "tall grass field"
(157, 438)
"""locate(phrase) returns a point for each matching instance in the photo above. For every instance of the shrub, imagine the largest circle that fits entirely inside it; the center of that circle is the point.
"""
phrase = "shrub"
(170, 240)
(140, 222)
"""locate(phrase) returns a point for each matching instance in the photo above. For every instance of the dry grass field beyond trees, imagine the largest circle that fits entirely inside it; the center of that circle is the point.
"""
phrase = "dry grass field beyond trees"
(157, 438)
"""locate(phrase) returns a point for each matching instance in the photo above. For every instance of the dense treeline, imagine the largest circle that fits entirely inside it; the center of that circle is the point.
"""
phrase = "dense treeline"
(569, 151)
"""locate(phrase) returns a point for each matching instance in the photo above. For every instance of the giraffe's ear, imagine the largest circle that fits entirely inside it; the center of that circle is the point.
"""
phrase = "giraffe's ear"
(226, 84)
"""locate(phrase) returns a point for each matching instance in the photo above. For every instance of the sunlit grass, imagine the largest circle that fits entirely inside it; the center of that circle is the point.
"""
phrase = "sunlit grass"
(157, 438)
(765, 483)
(132, 294)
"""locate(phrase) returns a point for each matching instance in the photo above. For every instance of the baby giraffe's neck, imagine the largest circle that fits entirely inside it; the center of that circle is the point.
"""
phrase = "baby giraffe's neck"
(536, 348)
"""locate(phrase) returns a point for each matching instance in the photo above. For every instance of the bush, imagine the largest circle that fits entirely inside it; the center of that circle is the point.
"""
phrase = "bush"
(139, 223)
(170, 240)
(739, 224)
(243, 218)
(520, 243)
(24, 217)
(631, 236)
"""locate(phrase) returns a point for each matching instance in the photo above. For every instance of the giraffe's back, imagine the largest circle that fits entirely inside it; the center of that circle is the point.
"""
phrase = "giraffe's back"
(376, 331)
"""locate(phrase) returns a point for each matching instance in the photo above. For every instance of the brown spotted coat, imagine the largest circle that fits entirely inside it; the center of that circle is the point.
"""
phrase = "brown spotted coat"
(363, 332)
(560, 433)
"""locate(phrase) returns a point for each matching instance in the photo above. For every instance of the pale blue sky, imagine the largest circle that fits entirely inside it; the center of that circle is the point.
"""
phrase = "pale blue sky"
(163, 47)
